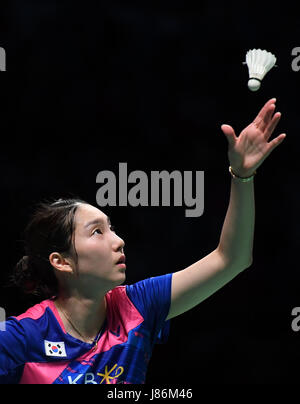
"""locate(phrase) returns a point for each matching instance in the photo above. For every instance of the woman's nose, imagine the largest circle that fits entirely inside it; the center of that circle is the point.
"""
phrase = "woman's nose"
(119, 244)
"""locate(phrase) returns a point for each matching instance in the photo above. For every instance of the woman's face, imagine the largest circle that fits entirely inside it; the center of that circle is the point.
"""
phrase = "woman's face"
(98, 247)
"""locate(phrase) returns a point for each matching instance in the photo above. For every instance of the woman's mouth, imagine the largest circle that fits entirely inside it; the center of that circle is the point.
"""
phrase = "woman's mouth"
(121, 262)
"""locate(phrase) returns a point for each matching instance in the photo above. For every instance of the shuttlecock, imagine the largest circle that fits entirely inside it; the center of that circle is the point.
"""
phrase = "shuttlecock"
(259, 62)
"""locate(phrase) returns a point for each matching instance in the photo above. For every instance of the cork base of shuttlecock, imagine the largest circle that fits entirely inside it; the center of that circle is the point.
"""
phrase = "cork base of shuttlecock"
(254, 84)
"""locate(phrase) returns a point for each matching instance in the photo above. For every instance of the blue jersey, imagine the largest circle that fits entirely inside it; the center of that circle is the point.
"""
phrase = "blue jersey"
(36, 349)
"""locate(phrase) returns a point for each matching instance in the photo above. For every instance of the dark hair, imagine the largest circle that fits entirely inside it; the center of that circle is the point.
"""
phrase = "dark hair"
(50, 230)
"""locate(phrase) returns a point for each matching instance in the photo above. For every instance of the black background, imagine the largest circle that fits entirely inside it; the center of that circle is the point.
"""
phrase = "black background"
(89, 85)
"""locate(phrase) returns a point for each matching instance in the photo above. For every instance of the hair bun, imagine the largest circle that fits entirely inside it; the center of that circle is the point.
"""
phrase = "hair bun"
(23, 275)
(24, 262)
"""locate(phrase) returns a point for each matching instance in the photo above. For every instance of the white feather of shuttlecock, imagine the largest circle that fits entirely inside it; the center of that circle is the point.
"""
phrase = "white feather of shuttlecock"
(259, 62)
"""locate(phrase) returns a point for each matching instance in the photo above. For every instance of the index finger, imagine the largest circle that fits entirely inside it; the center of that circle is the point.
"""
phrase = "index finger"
(265, 113)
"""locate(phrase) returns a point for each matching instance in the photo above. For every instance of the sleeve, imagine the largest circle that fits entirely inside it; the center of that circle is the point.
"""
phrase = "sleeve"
(152, 297)
(12, 351)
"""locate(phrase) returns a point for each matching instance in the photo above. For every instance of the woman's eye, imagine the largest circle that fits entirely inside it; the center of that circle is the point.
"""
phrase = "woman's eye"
(98, 231)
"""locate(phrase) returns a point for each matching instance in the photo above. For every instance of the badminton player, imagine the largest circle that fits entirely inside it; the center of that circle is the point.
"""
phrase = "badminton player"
(92, 329)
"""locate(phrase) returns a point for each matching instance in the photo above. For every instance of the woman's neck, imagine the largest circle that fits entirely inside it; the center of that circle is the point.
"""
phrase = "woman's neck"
(81, 315)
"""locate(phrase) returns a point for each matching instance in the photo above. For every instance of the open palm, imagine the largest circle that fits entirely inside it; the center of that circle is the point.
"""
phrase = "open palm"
(247, 151)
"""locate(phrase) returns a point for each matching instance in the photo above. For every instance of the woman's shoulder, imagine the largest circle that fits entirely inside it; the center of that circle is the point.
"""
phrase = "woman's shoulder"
(35, 312)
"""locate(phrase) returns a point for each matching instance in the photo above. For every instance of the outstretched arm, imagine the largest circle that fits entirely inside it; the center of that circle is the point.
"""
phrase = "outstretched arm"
(233, 254)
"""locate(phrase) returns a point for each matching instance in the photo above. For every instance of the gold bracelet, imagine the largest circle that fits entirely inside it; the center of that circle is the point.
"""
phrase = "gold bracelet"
(242, 179)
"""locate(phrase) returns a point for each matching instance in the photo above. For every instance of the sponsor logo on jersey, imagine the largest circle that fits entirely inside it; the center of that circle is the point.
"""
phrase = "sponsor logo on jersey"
(107, 377)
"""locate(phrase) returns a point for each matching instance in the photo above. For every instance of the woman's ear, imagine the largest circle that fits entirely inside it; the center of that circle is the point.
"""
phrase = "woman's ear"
(61, 263)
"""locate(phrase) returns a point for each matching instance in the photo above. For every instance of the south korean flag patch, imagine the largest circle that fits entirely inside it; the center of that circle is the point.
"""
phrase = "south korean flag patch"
(55, 349)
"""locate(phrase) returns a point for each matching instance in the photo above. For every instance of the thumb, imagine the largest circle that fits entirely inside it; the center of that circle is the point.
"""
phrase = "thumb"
(229, 133)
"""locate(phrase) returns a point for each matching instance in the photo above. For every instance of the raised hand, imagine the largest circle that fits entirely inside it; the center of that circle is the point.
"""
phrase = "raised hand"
(247, 151)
